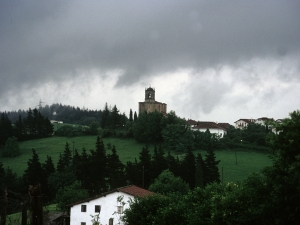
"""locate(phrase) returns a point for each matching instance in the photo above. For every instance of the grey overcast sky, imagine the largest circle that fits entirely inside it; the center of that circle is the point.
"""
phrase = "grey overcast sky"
(210, 60)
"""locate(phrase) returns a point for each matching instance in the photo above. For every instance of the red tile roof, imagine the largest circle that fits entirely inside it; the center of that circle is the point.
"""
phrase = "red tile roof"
(135, 191)
(208, 125)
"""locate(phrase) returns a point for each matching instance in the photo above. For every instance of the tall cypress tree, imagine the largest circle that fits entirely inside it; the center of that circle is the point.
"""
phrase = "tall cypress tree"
(135, 118)
(130, 116)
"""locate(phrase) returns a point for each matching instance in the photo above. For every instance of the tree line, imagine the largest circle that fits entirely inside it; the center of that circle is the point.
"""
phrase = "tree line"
(97, 171)
(33, 125)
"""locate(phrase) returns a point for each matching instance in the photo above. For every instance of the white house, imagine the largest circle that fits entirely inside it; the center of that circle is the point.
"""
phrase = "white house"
(106, 206)
(241, 123)
(214, 128)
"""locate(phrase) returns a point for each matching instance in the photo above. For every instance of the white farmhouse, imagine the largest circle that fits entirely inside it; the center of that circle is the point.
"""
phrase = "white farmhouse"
(214, 128)
(242, 123)
(106, 206)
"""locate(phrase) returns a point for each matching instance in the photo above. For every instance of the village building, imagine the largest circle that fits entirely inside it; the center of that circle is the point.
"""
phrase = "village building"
(242, 123)
(150, 105)
(106, 206)
(219, 129)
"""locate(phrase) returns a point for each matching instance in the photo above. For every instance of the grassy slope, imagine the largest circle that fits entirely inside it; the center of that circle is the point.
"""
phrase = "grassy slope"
(128, 150)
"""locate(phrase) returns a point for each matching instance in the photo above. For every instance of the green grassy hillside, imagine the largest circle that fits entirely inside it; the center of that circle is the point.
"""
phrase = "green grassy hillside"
(128, 150)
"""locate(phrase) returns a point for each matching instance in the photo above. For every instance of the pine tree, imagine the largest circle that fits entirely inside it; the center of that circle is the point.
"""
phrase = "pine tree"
(145, 167)
(5, 129)
(82, 169)
(2, 174)
(158, 162)
(34, 173)
(98, 168)
(211, 171)
(105, 119)
(188, 169)
(67, 156)
(114, 117)
(116, 173)
(133, 174)
(200, 167)
(173, 164)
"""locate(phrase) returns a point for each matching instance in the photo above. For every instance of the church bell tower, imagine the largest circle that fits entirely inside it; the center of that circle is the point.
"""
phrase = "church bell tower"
(149, 95)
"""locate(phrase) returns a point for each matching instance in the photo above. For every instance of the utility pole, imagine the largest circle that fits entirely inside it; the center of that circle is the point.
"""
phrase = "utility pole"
(73, 148)
(143, 176)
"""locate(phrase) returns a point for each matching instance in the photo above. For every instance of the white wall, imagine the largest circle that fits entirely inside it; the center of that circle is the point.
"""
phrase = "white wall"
(108, 205)
(212, 131)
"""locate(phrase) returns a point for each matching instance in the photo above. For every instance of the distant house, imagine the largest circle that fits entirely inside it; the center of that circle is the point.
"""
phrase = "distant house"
(263, 120)
(106, 204)
(242, 123)
(191, 123)
(214, 128)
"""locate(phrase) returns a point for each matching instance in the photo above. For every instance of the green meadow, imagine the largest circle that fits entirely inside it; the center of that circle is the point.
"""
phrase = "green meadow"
(128, 149)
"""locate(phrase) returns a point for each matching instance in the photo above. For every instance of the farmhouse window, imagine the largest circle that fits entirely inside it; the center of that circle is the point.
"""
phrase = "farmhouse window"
(97, 208)
(83, 208)
(83, 223)
(120, 209)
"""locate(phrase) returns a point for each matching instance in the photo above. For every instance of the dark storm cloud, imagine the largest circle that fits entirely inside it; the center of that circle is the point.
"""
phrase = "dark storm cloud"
(57, 40)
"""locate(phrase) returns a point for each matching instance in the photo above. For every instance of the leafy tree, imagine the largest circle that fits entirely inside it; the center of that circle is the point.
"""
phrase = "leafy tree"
(147, 129)
(70, 194)
(94, 128)
(145, 210)
(166, 183)
(172, 136)
(12, 148)
(283, 177)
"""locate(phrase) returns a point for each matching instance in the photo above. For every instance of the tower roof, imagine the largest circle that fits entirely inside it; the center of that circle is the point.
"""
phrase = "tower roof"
(149, 89)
